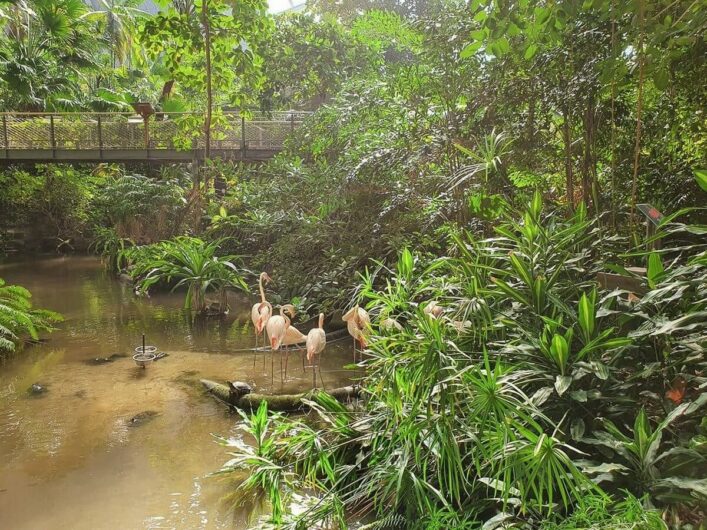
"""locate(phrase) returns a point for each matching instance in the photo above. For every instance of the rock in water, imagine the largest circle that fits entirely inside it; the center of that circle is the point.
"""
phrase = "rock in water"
(37, 389)
(142, 417)
(104, 360)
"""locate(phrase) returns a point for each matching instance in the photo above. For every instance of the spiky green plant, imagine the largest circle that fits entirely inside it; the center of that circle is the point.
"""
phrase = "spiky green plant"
(192, 263)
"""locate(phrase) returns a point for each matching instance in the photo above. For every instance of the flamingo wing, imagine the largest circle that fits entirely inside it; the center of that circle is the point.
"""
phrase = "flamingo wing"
(276, 328)
(264, 312)
(293, 336)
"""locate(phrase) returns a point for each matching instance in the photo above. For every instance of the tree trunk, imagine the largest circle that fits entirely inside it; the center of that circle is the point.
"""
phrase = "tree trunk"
(639, 111)
(589, 180)
(613, 121)
(166, 90)
(209, 95)
(567, 136)
(282, 402)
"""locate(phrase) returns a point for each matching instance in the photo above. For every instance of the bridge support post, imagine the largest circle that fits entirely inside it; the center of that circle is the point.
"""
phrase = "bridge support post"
(52, 138)
(4, 135)
(146, 119)
(243, 142)
(100, 138)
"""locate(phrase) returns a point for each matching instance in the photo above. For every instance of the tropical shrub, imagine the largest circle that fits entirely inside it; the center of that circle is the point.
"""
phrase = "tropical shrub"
(496, 408)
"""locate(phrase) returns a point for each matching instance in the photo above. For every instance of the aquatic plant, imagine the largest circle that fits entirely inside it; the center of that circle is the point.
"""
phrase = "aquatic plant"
(192, 263)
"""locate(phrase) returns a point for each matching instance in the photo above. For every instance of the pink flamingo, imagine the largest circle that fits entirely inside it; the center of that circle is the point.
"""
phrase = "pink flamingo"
(316, 341)
(261, 312)
(358, 323)
(276, 328)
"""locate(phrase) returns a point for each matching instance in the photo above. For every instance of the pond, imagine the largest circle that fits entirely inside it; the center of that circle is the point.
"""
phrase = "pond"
(70, 457)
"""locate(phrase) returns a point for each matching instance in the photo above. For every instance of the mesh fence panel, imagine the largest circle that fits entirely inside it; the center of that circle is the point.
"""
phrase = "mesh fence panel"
(93, 131)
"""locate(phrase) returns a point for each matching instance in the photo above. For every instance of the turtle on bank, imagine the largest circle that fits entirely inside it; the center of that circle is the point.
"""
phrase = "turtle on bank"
(238, 389)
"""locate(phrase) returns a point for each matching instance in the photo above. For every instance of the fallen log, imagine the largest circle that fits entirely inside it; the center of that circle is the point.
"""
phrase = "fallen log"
(239, 396)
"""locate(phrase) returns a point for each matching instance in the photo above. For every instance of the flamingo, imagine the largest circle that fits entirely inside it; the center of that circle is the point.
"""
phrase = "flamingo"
(261, 312)
(433, 309)
(390, 324)
(293, 336)
(358, 323)
(276, 328)
(316, 341)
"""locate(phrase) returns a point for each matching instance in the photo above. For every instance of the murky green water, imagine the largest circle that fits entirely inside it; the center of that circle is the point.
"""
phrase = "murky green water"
(69, 459)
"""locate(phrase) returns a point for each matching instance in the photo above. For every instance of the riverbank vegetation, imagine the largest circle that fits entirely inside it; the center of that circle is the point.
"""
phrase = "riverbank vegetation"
(487, 157)
(18, 319)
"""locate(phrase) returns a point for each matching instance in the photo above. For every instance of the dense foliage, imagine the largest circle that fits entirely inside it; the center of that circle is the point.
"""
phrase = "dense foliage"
(535, 398)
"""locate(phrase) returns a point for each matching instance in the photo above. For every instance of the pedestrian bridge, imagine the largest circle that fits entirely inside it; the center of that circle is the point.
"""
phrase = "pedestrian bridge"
(160, 137)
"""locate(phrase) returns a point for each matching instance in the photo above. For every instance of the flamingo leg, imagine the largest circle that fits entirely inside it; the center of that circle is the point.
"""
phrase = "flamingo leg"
(354, 350)
(319, 369)
(255, 352)
(314, 376)
(287, 356)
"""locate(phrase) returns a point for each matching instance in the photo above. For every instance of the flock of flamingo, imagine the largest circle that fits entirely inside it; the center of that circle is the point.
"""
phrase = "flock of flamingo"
(281, 332)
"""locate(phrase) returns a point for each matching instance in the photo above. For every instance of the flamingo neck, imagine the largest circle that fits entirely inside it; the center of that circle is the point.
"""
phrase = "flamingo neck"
(262, 289)
(321, 320)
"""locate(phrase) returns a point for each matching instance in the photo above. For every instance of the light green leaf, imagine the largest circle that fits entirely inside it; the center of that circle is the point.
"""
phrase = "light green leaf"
(530, 51)
(701, 177)
(470, 49)
(586, 315)
(655, 269)
(559, 350)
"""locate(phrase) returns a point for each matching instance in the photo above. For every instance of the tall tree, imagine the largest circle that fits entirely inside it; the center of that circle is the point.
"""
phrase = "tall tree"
(215, 56)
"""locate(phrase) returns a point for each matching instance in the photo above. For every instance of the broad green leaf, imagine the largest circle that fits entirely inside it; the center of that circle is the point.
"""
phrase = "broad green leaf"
(701, 177)
(661, 78)
(600, 370)
(655, 269)
(577, 427)
(562, 383)
(591, 468)
(696, 486)
(559, 349)
(530, 52)
(586, 315)
(470, 49)
(579, 395)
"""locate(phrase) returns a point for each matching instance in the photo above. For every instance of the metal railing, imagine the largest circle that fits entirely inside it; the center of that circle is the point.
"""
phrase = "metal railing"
(106, 131)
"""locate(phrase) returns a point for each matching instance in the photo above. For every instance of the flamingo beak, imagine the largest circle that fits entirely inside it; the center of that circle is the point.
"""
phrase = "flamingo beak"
(273, 343)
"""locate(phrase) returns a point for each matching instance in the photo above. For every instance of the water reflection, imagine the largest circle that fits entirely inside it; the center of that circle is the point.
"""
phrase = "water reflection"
(70, 458)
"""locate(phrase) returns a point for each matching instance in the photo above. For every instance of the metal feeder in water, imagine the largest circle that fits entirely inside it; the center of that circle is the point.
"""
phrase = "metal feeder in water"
(144, 355)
